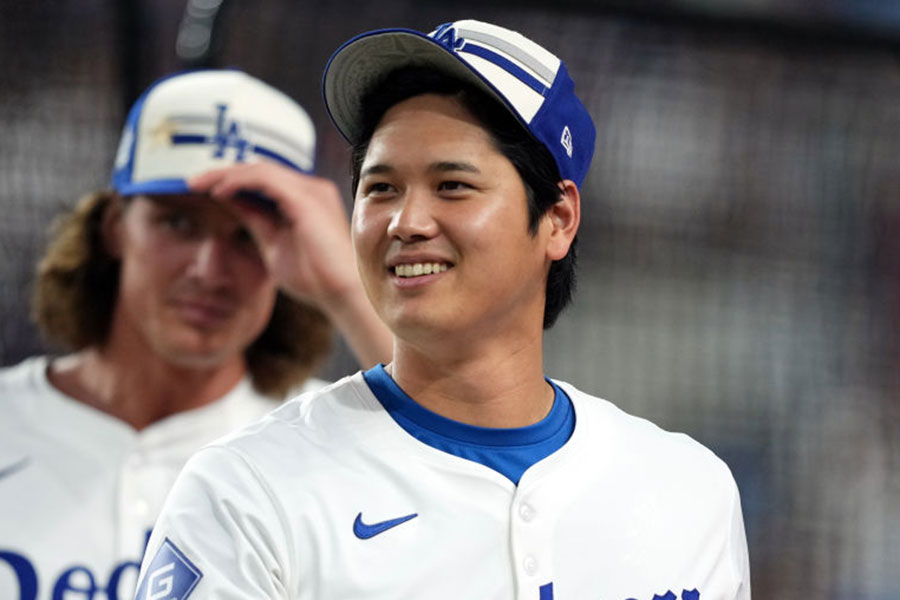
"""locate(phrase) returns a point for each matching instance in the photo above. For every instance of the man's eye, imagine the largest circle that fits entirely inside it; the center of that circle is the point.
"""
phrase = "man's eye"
(379, 187)
(453, 186)
(244, 238)
(180, 223)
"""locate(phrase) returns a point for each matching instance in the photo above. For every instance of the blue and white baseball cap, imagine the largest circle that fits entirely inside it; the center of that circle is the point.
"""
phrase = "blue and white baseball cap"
(194, 121)
(525, 77)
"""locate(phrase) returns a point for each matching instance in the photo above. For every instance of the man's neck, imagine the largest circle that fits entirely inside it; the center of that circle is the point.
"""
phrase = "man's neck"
(140, 392)
(497, 385)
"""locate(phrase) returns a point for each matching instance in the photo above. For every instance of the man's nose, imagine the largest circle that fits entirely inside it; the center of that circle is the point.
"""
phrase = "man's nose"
(413, 219)
(212, 262)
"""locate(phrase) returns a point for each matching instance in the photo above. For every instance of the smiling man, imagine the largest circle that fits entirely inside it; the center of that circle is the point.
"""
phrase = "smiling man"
(458, 470)
(192, 298)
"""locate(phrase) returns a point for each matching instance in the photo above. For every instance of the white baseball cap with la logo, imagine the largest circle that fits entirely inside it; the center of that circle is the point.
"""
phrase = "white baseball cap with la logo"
(190, 122)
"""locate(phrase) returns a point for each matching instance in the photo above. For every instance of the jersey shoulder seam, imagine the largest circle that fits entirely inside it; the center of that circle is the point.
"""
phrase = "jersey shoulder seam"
(280, 513)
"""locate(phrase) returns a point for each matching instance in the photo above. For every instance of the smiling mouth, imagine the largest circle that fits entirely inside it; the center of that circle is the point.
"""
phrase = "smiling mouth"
(419, 269)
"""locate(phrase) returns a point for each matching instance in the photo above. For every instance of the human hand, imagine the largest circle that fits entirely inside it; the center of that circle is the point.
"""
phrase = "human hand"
(302, 231)
(303, 237)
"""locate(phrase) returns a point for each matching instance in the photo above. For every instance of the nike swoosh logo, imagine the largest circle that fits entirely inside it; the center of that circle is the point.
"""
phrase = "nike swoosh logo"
(365, 531)
(15, 467)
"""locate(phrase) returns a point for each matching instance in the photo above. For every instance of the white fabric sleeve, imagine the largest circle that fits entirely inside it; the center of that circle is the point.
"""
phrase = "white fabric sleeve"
(220, 535)
(738, 550)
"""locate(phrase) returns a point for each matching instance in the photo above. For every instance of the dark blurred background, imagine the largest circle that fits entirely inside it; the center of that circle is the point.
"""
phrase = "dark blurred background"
(740, 251)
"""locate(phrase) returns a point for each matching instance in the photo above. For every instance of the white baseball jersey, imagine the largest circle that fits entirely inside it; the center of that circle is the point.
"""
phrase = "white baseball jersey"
(80, 490)
(328, 497)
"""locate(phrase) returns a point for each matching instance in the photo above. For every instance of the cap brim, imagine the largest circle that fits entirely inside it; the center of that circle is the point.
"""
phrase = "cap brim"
(154, 187)
(362, 62)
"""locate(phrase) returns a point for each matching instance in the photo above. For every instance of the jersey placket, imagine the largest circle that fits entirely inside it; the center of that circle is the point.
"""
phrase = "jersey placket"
(530, 541)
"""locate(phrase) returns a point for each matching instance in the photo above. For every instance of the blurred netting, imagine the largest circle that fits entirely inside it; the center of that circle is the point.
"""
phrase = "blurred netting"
(60, 114)
(740, 250)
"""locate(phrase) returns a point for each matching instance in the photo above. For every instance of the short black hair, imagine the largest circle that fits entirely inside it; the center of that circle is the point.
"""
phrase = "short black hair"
(531, 159)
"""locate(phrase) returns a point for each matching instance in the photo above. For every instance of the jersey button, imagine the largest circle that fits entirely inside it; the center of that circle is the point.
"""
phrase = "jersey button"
(526, 512)
(530, 565)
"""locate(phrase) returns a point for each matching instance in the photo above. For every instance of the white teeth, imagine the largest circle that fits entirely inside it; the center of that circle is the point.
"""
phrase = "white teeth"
(417, 269)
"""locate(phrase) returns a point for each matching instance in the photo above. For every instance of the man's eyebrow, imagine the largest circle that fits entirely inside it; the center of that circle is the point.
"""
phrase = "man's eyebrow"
(445, 166)
(376, 169)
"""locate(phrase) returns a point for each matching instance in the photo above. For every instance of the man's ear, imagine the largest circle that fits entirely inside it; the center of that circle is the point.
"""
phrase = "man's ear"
(564, 218)
(111, 226)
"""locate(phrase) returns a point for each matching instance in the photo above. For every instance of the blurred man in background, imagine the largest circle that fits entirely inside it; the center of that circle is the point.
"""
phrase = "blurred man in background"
(193, 296)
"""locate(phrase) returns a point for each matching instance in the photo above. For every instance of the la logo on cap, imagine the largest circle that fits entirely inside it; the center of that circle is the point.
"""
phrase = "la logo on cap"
(228, 135)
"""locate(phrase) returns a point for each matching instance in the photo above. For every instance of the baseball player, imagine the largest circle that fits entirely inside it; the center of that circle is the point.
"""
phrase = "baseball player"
(190, 311)
(458, 470)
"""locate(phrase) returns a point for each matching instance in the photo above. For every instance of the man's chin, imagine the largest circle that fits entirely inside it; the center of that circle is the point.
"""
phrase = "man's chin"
(200, 355)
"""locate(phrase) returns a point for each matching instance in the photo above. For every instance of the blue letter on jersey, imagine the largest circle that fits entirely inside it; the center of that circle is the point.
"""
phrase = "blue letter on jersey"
(171, 576)
(25, 573)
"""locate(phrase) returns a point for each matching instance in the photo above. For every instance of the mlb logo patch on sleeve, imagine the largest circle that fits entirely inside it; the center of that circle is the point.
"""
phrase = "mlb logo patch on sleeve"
(171, 576)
